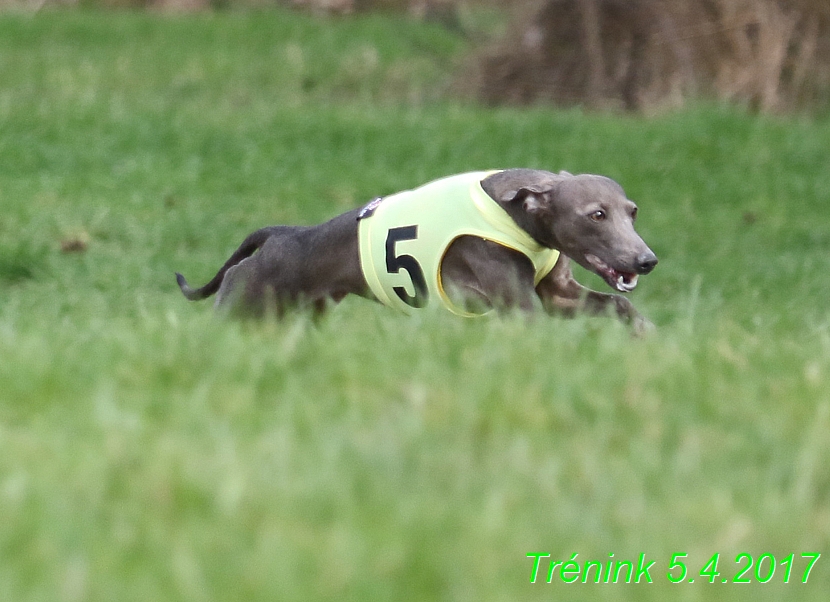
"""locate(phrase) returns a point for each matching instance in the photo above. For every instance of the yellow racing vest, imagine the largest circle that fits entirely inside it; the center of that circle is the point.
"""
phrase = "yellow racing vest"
(404, 237)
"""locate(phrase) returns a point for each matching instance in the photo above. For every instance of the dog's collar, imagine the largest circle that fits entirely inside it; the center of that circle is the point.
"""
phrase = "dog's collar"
(369, 208)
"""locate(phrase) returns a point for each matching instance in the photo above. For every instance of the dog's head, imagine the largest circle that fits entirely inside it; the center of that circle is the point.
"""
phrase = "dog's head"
(589, 219)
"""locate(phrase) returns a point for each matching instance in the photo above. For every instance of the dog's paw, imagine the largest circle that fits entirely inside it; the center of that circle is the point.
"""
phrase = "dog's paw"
(642, 327)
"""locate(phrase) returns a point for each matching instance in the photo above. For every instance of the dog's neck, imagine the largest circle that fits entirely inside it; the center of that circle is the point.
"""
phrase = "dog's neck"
(538, 225)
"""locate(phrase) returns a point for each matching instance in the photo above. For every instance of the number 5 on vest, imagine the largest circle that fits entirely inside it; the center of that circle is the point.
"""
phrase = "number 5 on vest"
(394, 263)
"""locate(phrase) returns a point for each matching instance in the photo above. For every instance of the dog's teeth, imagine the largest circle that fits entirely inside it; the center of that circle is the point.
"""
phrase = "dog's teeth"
(625, 283)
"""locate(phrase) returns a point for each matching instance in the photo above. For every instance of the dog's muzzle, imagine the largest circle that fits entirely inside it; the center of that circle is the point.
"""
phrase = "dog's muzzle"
(622, 281)
(646, 262)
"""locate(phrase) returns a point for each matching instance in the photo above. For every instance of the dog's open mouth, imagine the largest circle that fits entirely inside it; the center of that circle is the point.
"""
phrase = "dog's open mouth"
(621, 281)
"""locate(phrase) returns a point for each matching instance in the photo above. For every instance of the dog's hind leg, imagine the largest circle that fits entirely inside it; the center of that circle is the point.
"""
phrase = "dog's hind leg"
(248, 247)
(246, 292)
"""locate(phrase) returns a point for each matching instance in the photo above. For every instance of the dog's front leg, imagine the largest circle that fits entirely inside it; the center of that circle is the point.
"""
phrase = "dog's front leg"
(480, 275)
(562, 294)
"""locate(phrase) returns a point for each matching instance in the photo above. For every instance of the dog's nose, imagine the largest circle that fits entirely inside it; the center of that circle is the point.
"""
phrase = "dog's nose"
(646, 262)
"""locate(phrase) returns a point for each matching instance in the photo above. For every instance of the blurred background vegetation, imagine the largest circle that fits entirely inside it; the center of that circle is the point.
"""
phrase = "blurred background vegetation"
(634, 55)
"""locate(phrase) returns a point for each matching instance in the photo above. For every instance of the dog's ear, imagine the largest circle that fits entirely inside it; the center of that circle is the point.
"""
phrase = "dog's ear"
(534, 197)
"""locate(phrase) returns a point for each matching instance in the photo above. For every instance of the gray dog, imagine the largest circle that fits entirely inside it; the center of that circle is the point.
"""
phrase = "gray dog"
(470, 243)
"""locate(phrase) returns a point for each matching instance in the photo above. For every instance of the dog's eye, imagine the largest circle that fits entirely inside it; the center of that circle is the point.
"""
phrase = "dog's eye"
(633, 214)
(598, 215)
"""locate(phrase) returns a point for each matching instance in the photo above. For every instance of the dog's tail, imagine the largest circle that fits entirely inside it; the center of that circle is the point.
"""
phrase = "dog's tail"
(245, 250)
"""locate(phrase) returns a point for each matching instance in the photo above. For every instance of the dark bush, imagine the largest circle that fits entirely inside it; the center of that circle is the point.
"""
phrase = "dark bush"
(643, 54)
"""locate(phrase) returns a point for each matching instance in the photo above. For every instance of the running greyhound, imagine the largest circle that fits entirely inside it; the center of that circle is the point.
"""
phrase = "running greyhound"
(471, 243)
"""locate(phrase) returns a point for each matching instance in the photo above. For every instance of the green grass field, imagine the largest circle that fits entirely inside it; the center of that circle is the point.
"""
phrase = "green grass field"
(149, 451)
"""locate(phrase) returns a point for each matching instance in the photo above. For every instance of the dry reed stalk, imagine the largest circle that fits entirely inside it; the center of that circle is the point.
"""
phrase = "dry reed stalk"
(644, 54)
